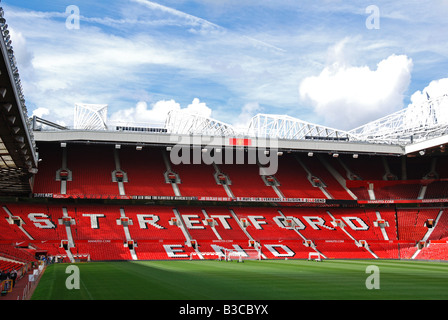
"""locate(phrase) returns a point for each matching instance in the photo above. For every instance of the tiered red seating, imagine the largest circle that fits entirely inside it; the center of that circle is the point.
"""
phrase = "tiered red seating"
(96, 223)
(437, 190)
(434, 251)
(286, 249)
(361, 193)
(145, 170)
(91, 167)
(198, 181)
(225, 224)
(51, 249)
(152, 223)
(412, 223)
(41, 222)
(342, 249)
(246, 181)
(7, 265)
(220, 247)
(440, 231)
(10, 231)
(316, 224)
(97, 232)
(385, 250)
(365, 167)
(45, 179)
(19, 254)
(398, 191)
(262, 225)
(293, 179)
(102, 250)
(194, 221)
(332, 185)
(358, 224)
(407, 250)
(386, 215)
(163, 250)
(317, 227)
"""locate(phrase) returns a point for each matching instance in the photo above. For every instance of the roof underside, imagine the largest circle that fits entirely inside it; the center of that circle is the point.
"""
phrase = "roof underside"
(17, 146)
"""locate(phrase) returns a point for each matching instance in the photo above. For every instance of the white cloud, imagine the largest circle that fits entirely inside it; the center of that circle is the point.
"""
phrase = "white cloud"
(347, 96)
(435, 89)
(193, 20)
(158, 112)
(41, 112)
(200, 108)
(141, 114)
(221, 53)
(247, 112)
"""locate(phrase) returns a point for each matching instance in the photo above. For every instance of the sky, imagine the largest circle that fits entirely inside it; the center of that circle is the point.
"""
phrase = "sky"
(337, 63)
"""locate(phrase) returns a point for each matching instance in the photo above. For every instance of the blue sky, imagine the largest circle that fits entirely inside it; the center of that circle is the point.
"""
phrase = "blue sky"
(314, 60)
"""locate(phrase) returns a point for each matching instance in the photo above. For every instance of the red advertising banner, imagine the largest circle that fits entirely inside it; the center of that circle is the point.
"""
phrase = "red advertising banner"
(240, 142)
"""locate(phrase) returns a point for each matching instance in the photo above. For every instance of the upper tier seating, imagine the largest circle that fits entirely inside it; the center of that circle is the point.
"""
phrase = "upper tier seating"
(333, 187)
(246, 181)
(45, 179)
(91, 167)
(293, 179)
(145, 171)
(197, 180)
(144, 175)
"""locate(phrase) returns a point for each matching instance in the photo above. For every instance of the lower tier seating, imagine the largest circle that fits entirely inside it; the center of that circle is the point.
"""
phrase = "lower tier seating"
(139, 232)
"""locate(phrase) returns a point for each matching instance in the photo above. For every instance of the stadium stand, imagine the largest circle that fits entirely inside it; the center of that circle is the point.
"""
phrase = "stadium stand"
(294, 181)
(246, 181)
(103, 232)
(92, 198)
(84, 195)
(198, 180)
(46, 178)
(88, 178)
(80, 226)
(145, 172)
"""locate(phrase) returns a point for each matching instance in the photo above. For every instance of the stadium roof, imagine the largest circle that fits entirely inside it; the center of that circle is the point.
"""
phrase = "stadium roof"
(418, 122)
(421, 126)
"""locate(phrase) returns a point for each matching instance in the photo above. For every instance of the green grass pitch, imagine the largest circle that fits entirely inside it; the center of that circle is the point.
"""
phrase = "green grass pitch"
(251, 280)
